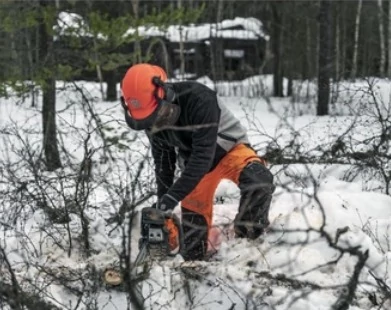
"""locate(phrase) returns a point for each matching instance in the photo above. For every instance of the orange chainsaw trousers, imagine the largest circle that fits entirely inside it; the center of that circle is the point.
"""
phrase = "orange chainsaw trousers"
(200, 200)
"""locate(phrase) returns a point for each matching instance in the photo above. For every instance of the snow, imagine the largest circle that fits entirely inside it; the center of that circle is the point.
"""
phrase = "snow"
(247, 274)
(72, 24)
(70, 21)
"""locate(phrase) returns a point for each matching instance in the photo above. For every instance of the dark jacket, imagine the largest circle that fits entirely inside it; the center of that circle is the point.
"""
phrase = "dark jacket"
(205, 132)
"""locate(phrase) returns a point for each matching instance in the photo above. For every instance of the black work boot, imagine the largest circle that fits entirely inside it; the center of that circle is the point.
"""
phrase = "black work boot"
(256, 187)
(195, 229)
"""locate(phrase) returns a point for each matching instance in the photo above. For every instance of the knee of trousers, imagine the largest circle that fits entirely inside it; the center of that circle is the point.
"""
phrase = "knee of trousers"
(256, 177)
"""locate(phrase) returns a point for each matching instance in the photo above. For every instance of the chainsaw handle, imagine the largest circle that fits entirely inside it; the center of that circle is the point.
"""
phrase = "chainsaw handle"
(177, 223)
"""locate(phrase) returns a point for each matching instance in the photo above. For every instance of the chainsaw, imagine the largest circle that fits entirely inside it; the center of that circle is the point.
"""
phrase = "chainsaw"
(153, 244)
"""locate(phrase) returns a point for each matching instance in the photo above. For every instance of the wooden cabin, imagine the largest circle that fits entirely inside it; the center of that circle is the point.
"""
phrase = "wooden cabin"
(229, 50)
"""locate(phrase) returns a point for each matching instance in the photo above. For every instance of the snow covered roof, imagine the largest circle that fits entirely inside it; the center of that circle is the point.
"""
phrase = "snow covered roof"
(146, 31)
(239, 28)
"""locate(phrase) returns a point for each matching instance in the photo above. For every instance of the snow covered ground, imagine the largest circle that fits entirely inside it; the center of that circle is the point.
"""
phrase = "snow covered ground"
(319, 211)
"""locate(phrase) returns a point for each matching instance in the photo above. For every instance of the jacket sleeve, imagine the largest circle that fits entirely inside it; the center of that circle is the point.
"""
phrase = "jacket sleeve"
(204, 115)
(164, 157)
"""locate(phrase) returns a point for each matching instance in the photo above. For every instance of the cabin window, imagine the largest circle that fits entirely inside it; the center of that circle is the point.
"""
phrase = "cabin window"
(228, 53)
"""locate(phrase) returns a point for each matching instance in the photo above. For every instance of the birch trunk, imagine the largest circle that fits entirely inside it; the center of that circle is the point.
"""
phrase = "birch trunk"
(95, 57)
(30, 61)
(389, 38)
(98, 68)
(181, 45)
(308, 74)
(337, 39)
(219, 14)
(381, 35)
(353, 72)
(219, 48)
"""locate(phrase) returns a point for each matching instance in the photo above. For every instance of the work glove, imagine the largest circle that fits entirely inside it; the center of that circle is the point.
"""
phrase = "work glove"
(166, 203)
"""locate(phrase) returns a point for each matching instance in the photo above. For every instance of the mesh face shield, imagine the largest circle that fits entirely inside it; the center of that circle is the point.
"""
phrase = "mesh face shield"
(165, 115)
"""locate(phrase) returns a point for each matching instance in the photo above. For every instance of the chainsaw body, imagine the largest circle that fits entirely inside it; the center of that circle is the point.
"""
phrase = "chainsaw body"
(154, 234)
(153, 242)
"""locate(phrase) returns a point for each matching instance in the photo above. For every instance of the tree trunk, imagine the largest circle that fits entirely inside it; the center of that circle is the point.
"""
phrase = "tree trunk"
(98, 68)
(381, 35)
(366, 51)
(343, 42)
(96, 57)
(389, 38)
(137, 46)
(308, 71)
(181, 46)
(324, 63)
(337, 39)
(111, 82)
(337, 48)
(46, 62)
(30, 62)
(290, 85)
(353, 72)
(219, 12)
(278, 90)
(289, 64)
(219, 45)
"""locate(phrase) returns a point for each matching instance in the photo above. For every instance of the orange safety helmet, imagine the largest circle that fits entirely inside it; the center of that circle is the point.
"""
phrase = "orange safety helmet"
(147, 97)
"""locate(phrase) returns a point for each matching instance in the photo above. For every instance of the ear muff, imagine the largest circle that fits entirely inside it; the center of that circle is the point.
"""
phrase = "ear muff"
(169, 93)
